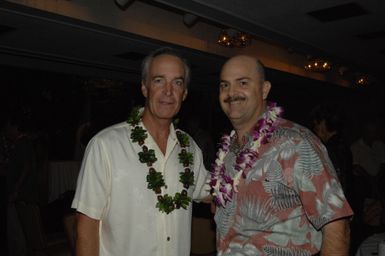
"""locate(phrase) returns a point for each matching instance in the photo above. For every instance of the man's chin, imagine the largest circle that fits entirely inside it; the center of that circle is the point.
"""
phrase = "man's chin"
(233, 114)
(167, 114)
(234, 118)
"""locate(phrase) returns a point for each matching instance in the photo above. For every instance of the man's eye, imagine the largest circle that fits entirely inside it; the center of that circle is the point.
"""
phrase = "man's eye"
(179, 82)
(158, 81)
(223, 85)
(243, 83)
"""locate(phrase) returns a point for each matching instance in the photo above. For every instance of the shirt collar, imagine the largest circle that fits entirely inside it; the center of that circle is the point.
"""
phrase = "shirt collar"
(172, 134)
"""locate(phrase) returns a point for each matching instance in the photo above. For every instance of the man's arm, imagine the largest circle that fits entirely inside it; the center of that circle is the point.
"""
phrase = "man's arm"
(336, 238)
(87, 236)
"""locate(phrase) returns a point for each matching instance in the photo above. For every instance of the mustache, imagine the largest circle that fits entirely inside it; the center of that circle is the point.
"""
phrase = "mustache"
(234, 98)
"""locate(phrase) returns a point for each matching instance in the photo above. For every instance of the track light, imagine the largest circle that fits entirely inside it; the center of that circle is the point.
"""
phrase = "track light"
(189, 19)
(123, 4)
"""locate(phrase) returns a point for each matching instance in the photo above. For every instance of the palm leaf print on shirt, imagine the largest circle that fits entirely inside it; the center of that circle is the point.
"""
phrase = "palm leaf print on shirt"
(309, 163)
(332, 197)
(236, 249)
(283, 196)
(306, 167)
(276, 251)
(225, 217)
(255, 216)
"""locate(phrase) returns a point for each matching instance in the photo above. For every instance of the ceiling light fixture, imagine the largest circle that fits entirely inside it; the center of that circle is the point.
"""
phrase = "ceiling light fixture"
(233, 38)
(362, 80)
(318, 65)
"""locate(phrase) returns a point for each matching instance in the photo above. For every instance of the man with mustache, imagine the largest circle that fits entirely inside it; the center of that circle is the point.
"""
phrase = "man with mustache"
(276, 190)
(138, 178)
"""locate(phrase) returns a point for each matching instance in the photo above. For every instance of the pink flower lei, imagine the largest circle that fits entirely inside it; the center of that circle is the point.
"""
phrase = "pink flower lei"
(222, 185)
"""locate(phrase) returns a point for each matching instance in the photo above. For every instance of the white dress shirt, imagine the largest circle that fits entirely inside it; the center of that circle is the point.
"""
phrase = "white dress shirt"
(369, 158)
(112, 188)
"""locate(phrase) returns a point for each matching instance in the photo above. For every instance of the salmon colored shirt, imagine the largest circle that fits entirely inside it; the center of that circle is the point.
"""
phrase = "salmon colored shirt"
(291, 192)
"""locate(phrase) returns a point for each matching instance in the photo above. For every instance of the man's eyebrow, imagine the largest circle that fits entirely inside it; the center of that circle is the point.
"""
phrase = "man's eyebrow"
(242, 78)
(163, 76)
(157, 76)
(179, 77)
(238, 79)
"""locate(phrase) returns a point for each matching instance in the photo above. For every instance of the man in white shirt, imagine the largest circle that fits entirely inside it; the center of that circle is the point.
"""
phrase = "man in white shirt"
(138, 178)
(368, 163)
(369, 152)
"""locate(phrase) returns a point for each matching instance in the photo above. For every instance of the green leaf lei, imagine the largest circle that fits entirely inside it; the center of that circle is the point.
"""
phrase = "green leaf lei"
(155, 180)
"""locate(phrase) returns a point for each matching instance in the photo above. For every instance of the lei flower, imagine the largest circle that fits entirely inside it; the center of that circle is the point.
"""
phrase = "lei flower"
(223, 186)
(155, 180)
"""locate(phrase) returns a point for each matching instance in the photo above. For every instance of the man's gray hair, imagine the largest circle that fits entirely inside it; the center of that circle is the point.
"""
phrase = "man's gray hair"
(164, 51)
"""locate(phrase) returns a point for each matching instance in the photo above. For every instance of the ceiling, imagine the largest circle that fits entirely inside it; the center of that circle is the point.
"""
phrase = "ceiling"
(35, 39)
(349, 33)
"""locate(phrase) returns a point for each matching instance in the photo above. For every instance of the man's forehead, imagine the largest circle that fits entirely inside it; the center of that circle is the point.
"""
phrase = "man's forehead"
(237, 72)
(242, 59)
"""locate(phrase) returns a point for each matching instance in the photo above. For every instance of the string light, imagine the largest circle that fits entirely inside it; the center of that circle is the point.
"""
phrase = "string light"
(362, 80)
(318, 65)
(233, 38)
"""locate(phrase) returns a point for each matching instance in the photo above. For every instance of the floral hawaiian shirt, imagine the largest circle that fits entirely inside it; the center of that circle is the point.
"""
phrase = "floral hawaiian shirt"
(291, 192)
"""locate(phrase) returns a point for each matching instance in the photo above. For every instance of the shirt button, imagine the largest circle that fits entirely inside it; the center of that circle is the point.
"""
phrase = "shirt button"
(168, 238)
(165, 186)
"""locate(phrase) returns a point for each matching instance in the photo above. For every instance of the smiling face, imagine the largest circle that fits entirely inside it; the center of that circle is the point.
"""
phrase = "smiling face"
(164, 88)
(242, 92)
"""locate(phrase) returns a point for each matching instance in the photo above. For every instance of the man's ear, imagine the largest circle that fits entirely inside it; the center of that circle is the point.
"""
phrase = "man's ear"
(266, 89)
(185, 94)
(144, 89)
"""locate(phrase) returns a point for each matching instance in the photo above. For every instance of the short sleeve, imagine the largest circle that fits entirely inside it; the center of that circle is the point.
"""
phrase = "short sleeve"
(202, 188)
(317, 184)
(93, 186)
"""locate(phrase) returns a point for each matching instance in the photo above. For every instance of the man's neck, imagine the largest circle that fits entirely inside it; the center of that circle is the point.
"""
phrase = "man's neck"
(159, 129)
(241, 133)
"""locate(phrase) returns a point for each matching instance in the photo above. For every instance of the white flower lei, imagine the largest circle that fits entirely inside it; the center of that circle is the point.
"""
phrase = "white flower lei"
(222, 185)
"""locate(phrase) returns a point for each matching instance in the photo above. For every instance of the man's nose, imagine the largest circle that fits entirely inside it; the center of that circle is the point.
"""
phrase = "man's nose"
(231, 90)
(168, 88)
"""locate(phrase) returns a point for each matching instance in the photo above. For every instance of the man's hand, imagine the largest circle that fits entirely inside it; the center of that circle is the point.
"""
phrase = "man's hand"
(213, 208)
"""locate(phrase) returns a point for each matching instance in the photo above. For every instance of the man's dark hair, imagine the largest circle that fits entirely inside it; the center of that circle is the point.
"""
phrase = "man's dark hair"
(164, 51)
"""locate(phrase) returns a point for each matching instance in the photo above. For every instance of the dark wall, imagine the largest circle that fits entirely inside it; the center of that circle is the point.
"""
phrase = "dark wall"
(59, 103)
